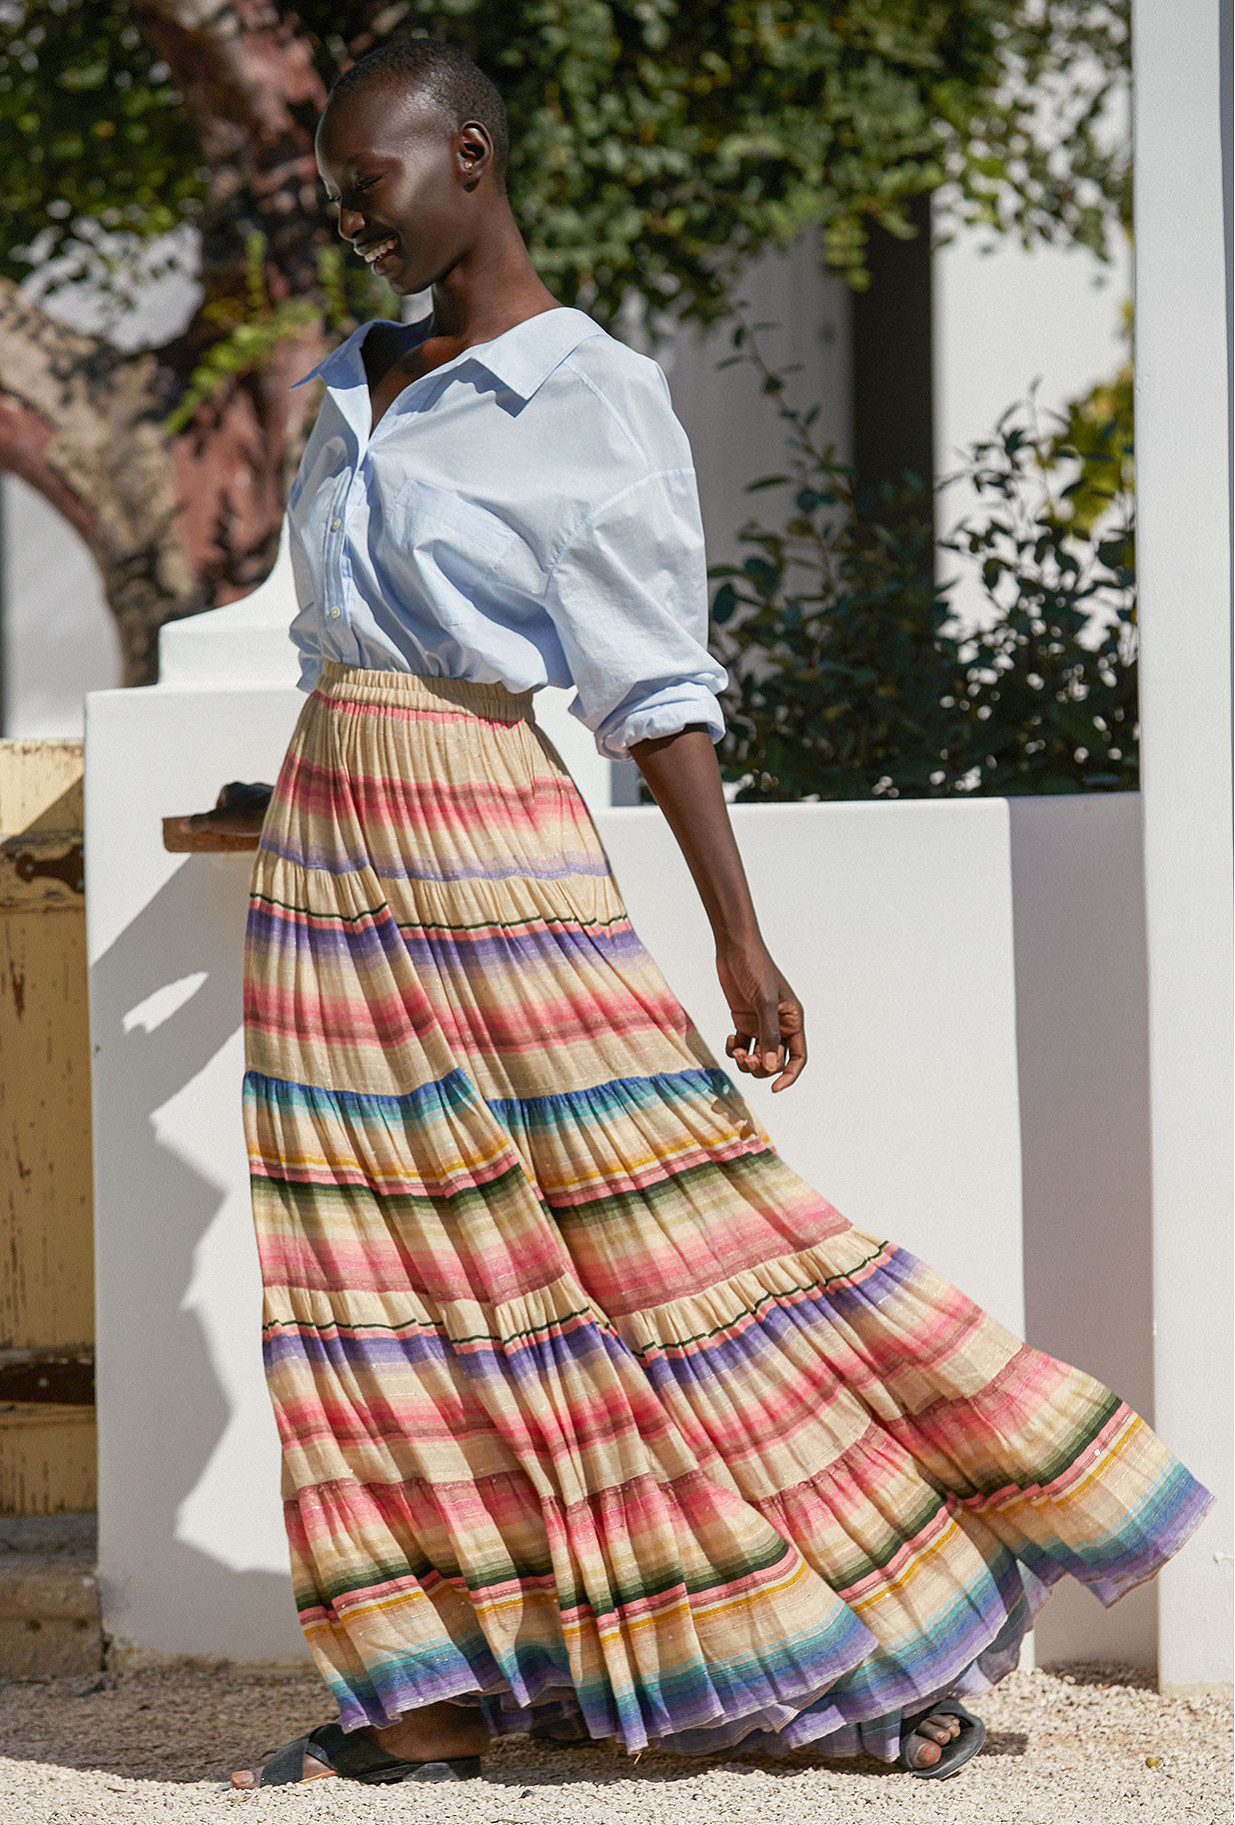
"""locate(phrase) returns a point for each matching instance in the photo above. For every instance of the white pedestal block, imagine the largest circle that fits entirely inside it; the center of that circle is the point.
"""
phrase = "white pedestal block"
(191, 1548)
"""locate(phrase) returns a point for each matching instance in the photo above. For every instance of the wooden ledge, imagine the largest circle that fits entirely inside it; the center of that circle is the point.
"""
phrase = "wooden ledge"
(233, 822)
(182, 834)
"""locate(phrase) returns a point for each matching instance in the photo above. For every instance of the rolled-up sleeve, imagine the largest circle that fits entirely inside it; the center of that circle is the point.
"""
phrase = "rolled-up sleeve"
(628, 598)
(310, 671)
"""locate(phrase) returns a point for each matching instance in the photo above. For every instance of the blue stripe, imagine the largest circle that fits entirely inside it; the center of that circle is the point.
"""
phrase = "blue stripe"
(456, 1090)
(598, 1101)
(439, 1097)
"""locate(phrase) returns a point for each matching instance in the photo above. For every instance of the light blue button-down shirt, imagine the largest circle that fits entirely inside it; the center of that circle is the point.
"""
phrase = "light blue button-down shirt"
(526, 514)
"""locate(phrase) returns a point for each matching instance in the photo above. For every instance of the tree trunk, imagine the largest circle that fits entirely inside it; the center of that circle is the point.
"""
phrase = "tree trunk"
(81, 423)
(179, 524)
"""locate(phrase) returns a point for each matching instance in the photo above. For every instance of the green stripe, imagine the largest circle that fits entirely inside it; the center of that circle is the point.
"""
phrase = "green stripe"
(674, 1183)
(449, 1203)
(752, 1311)
(860, 1562)
(303, 1324)
(413, 925)
(656, 1581)
(609, 1207)
(1079, 1441)
(1030, 1474)
(588, 1311)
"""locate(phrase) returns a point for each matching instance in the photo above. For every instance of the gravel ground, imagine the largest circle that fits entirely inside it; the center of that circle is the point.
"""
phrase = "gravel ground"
(1090, 1746)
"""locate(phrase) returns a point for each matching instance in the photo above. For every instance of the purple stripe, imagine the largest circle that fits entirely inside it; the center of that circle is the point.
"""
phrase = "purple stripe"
(341, 860)
(569, 946)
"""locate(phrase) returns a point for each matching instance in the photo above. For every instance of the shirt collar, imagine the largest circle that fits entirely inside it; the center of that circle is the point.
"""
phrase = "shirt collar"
(521, 358)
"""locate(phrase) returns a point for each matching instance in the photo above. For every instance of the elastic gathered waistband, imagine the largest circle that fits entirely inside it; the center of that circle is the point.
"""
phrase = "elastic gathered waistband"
(401, 690)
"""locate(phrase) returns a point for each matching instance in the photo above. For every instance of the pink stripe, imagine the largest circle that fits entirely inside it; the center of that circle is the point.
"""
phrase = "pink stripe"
(309, 1015)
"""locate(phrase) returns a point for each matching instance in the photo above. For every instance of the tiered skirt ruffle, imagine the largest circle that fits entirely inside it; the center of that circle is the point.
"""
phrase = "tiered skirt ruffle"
(590, 1407)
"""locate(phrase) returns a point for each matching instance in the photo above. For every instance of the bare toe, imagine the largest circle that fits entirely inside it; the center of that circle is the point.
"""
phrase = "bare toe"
(931, 1737)
(926, 1753)
(311, 1770)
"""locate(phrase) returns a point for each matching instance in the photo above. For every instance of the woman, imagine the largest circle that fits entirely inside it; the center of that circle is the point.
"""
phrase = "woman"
(596, 1419)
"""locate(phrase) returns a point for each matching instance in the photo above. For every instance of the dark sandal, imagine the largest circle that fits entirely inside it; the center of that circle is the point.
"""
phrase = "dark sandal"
(358, 1758)
(561, 1732)
(966, 1743)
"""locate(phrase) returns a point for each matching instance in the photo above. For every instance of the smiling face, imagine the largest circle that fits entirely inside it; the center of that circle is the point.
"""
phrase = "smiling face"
(409, 189)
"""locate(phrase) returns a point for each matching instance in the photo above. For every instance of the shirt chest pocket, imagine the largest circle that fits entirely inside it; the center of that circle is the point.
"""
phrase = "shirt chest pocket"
(441, 532)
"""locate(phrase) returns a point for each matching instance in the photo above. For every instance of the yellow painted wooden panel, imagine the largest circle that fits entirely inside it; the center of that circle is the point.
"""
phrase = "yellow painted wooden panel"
(46, 1240)
(40, 786)
(41, 871)
(48, 1457)
(48, 1453)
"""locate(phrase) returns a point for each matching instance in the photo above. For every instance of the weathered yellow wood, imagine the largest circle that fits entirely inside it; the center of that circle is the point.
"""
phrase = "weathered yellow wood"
(40, 785)
(41, 871)
(46, 1240)
(48, 1458)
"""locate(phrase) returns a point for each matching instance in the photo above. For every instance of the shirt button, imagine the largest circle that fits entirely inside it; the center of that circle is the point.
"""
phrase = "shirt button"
(335, 525)
(334, 611)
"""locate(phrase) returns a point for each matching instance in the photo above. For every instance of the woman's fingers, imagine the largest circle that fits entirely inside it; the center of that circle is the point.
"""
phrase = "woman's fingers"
(795, 1046)
(758, 1055)
(742, 1050)
(770, 1043)
(769, 1033)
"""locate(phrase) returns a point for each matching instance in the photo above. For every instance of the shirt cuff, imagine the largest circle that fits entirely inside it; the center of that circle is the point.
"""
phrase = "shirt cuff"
(310, 671)
(665, 712)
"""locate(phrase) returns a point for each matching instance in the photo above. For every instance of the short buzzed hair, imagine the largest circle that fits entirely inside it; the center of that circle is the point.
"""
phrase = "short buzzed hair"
(445, 76)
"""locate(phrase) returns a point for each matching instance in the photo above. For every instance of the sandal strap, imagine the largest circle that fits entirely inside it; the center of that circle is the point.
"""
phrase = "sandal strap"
(361, 1759)
(286, 1767)
(357, 1756)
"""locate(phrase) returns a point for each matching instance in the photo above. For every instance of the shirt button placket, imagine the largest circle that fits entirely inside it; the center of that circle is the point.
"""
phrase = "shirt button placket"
(355, 487)
(334, 611)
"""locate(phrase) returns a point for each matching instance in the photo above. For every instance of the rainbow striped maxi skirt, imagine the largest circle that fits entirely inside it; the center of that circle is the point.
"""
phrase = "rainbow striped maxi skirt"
(590, 1407)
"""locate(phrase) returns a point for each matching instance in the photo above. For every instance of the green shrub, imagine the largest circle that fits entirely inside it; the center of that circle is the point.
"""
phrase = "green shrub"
(852, 677)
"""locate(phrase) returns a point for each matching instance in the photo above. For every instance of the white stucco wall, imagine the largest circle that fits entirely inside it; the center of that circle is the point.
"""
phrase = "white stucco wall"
(190, 1539)
(1082, 1053)
(1005, 316)
(57, 638)
(1183, 219)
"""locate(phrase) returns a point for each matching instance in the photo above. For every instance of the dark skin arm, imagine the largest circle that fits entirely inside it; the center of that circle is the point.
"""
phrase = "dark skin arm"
(768, 1028)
